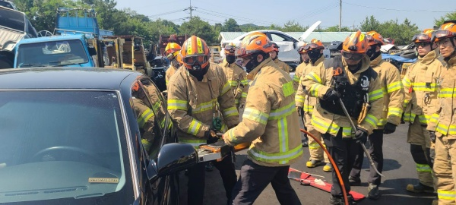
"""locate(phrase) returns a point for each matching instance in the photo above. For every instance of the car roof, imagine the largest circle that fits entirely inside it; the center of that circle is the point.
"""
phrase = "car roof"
(64, 78)
(52, 38)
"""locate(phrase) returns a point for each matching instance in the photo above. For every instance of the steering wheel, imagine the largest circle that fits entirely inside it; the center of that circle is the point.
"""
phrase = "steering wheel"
(91, 155)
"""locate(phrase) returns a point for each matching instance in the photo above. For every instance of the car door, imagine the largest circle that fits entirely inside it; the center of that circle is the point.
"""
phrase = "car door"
(287, 50)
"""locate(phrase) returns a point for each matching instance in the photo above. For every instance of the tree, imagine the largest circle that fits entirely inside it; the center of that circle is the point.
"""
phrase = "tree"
(231, 25)
(293, 26)
(200, 28)
(336, 29)
(370, 24)
(448, 16)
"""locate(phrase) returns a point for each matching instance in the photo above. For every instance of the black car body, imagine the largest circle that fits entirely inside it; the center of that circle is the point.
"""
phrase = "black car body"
(72, 136)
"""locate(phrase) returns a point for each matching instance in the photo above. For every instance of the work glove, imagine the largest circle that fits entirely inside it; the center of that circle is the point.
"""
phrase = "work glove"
(432, 136)
(361, 135)
(389, 128)
(300, 111)
(331, 95)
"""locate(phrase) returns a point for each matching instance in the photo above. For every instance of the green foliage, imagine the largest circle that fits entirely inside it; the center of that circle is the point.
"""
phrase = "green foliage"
(200, 28)
(293, 26)
(231, 25)
(448, 16)
(401, 33)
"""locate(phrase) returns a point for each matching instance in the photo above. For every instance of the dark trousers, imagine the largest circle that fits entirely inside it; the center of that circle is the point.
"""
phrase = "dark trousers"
(254, 178)
(376, 152)
(343, 151)
(196, 180)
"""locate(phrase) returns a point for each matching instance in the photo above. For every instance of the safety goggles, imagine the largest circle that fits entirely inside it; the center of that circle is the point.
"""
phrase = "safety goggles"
(422, 44)
(302, 50)
(191, 60)
(421, 38)
(311, 46)
(352, 56)
(440, 34)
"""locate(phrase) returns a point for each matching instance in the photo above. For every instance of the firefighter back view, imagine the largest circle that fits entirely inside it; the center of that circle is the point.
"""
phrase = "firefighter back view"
(270, 122)
(316, 61)
(196, 96)
(275, 57)
(420, 103)
(236, 76)
(443, 123)
(351, 80)
(172, 53)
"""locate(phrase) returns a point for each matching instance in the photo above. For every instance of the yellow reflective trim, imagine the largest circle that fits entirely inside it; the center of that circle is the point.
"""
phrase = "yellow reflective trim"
(347, 132)
(320, 124)
(194, 143)
(194, 127)
(275, 157)
(381, 122)
(394, 86)
(314, 90)
(299, 98)
(371, 119)
(226, 87)
(333, 129)
(394, 111)
(204, 106)
(424, 119)
(296, 78)
(282, 112)
(314, 145)
(423, 168)
(375, 95)
(406, 82)
(255, 115)
(177, 104)
(442, 129)
(288, 89)
(232, 111)
(434, 118)
(409, 117)
(283, 136)
(446, 195)
(446, 93)
(233, 83)
(144, 117)
(308, 108)
(314, 77)
(200, 45)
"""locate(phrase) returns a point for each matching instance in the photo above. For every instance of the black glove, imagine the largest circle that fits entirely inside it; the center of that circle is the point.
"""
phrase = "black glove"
(361, 135)
(432, 136)
(389, 128)
(331, 95)
(300, 111)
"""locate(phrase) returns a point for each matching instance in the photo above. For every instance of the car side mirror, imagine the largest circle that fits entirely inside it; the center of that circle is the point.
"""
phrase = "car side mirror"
(172, 158)
(92, 51)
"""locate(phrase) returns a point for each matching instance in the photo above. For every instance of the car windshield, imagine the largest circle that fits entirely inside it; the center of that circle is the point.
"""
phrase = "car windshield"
(6, 4)
(52, 53)
(58, 147)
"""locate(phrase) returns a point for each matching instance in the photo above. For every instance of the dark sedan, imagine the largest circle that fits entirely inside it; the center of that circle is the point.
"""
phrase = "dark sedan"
(96, 136)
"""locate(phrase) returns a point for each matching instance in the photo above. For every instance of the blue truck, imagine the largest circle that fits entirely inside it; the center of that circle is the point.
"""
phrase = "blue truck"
(76, 43)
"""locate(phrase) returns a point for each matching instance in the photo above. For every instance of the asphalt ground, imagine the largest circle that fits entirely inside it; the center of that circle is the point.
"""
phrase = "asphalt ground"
(399, 170)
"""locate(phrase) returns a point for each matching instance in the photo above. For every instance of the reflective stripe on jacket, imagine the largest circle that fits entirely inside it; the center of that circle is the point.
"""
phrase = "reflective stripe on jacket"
(393, 93)
(237, 79)
(270, 119)
(443, 121)
(298, 74)
(191, 103)
(420, 88)
(318, 81)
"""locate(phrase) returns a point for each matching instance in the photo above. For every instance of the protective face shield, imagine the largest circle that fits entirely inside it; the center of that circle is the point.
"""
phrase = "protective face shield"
(314, 55)
(253, 62)
(230, 59)
(372, 53)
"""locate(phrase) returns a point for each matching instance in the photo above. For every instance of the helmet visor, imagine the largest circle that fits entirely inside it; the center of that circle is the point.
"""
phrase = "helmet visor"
(421, 38)
(192, 60)
(352, 56)
(311, 46)
(302, 49)
(440, 34)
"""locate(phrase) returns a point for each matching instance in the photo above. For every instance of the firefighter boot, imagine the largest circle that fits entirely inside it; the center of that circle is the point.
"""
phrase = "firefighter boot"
(373, 192)
(354, 181)
(339, 200)
(313, 163)
(420, 188)
(327, 167)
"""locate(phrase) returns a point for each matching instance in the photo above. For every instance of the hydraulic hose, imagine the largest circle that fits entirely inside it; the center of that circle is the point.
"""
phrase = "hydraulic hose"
(333, 163)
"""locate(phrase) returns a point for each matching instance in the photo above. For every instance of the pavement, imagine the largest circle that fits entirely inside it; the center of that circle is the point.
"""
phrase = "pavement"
(399, 170)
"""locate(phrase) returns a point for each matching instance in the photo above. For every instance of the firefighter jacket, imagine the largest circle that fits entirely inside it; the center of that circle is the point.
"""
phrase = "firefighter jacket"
(420, 88)
(193, 104)
(270, 119)
(298, 73)
(444, 120)
(318, 81)
(282, 65)
(393, 94)
(170, 72)
(303, 100)
(237, 78)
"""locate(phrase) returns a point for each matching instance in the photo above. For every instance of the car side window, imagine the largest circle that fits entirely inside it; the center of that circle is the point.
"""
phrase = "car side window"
(277, 38)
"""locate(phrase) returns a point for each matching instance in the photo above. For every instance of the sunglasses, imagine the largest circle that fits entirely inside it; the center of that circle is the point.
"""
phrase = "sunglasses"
(422, 44)
(352, 56)
(191, 60)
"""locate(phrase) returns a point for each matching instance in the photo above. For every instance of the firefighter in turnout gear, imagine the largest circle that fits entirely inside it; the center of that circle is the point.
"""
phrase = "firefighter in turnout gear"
(307, 103)
(236, 76)
(420, 88)
(300, 95)
(299, 70)
(351, 80)
(275, 57)
(393, 96)
(442, 125)
(197, 95)
(172, 53)
(270, 122)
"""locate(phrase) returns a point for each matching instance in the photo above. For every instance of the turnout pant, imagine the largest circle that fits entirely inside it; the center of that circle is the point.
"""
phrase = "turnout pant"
(196, 180)
(420, 144)
(445, 169)
(315, 151)
(254, 178)
(376, 152)
(343, 151)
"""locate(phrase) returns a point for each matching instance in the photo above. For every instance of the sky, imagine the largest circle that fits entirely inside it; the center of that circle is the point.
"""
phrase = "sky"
(305, 12)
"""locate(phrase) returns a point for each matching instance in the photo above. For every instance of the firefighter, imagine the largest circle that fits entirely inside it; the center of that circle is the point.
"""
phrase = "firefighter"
(442, 123)
(304, 57)
(172, 50)
(145, 115)
(197, 94)
(393, 96)
(350, 79)
(274, 56)
(270, 122)
(420, 103)
(236, 76)
(300, 94)
(317, 154)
